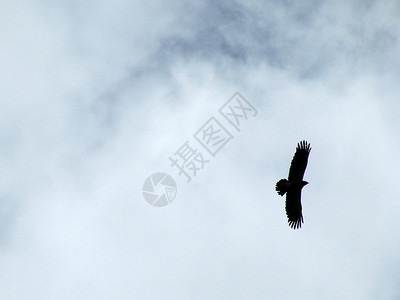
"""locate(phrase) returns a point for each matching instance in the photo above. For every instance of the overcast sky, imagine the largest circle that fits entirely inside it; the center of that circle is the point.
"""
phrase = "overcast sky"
(95, 96)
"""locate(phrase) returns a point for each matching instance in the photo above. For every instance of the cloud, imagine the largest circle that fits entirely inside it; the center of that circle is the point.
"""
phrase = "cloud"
(97, 96)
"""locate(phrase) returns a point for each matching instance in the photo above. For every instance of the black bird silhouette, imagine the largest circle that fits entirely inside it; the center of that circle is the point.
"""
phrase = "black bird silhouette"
(293, 185)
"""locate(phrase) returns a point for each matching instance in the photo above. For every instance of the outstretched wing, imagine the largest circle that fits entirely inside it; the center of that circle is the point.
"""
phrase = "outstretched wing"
(293, 209)
(299, 161)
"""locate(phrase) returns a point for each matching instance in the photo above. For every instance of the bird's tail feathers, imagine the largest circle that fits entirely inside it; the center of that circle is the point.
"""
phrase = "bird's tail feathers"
(281, 186)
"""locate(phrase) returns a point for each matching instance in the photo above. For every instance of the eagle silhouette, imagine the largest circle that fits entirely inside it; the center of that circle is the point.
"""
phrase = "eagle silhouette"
(293, 185)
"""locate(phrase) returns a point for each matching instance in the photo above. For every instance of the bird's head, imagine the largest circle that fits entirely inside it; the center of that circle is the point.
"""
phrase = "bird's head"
(304, 183)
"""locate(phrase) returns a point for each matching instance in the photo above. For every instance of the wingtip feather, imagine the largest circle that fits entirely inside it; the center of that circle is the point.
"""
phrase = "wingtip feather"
(296, 224)
(304, 145)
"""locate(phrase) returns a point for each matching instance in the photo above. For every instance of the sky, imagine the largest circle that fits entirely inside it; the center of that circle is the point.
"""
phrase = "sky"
(96, 96)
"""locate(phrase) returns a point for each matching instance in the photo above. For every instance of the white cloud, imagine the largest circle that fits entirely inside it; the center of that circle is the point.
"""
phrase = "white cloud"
(97, 96)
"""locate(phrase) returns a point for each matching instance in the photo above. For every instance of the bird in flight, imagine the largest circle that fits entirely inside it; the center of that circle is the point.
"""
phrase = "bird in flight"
(293, 185)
